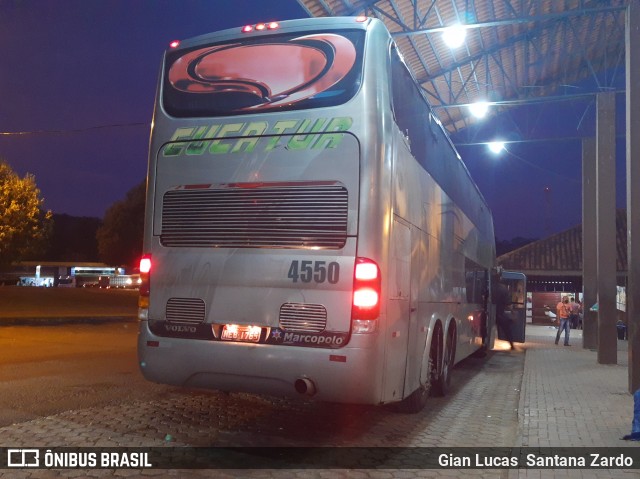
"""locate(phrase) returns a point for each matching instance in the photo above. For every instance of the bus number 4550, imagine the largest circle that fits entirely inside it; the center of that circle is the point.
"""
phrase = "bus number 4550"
(318, 271)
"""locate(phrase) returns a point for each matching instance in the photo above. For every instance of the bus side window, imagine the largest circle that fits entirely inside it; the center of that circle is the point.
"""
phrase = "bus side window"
(475, 283)
(410, 109)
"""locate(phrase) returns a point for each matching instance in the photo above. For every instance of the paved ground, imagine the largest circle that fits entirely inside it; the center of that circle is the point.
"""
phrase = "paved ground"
(568, 399)
(541, 395)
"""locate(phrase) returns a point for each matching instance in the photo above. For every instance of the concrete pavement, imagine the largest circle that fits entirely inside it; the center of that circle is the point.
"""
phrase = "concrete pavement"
(544, 396)
(568, 399)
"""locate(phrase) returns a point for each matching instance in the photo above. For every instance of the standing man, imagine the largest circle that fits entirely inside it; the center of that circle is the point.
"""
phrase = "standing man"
(502, 299)
(574, 310)
(563, 313)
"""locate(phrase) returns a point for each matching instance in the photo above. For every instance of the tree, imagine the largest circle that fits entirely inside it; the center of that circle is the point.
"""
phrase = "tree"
(120, 236)
(24, 225)
(73, 238)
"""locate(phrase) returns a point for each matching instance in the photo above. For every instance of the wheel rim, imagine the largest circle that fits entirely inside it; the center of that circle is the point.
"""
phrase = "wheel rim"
(448, 358)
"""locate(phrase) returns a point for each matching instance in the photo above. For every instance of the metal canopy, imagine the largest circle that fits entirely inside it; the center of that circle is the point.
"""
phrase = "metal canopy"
(515, 52)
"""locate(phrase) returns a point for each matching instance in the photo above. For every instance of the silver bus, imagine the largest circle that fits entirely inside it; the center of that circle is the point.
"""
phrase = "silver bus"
(310, 228)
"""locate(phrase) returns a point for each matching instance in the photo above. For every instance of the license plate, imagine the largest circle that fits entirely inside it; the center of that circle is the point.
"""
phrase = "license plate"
(233, 332)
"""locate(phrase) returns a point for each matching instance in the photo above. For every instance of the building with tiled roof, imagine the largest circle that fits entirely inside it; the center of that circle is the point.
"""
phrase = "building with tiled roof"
(559, 257)
(553, 265)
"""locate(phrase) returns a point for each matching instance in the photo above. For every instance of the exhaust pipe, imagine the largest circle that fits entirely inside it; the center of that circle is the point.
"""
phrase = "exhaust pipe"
(305, 386)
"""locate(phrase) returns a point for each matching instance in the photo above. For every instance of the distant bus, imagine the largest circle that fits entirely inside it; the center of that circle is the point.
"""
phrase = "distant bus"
(310, 228)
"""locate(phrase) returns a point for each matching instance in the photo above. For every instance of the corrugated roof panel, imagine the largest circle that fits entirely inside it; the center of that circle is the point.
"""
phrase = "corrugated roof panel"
(531, 49)
(562, 252)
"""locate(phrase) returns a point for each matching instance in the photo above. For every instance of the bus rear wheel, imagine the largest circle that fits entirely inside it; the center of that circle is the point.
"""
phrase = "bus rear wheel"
(417, 400)
(442, 381)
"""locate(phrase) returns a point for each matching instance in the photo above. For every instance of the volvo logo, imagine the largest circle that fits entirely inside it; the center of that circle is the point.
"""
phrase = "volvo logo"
(179, 328)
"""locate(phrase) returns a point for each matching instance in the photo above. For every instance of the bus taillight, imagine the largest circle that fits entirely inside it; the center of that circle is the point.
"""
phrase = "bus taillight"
(259, 27)
(143, 299)
(145, 271)
(145, 263)
(366, 290)
(365, 298)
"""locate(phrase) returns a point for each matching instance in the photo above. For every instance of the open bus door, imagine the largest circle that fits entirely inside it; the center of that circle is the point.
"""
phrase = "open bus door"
(517, 285)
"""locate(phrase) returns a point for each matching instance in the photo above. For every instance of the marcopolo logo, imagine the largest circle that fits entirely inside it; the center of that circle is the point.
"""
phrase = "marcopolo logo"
(313, 339)
(326, 340)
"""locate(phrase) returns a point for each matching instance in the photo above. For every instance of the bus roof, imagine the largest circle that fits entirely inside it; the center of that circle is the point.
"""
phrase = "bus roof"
(283, 26)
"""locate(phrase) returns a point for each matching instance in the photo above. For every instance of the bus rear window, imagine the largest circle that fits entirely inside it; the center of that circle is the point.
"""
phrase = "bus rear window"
(267, 73)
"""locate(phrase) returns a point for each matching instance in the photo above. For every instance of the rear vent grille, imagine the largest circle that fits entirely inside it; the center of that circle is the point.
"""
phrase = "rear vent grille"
(185, 310)
(303, 317)
(280, 216)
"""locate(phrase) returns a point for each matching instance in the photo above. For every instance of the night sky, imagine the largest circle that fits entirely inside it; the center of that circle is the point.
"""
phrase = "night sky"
(77, 86)
(534, 188)
(78, 77)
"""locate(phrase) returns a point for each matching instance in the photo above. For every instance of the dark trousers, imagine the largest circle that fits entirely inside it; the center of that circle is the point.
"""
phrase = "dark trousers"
(574, 321)
(504, 324)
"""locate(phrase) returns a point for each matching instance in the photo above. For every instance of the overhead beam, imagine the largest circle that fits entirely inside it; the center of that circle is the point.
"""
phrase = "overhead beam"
(514, 21)
(362, 8)
(499, 47)
(526, 101)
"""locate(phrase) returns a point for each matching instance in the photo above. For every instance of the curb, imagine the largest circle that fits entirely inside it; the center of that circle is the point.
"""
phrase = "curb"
(66, 320)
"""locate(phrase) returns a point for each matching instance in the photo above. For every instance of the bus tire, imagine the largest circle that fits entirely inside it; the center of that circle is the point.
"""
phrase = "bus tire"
(442, 381)
(417, 400)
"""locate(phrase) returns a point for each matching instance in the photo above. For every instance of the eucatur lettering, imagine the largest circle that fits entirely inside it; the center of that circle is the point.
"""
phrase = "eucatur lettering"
(318, 133)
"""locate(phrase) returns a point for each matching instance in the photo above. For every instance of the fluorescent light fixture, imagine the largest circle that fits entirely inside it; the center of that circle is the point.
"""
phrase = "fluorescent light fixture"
(479, 109)
(454, 35)
(496, 146)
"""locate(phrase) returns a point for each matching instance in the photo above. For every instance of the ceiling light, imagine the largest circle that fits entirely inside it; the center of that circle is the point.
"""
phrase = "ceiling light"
(479, 109)
(496, 146)
(454, 35)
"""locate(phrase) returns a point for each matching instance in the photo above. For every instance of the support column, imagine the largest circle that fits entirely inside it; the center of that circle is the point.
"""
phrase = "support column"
(632, 53)
(589, 245)
(606, 226)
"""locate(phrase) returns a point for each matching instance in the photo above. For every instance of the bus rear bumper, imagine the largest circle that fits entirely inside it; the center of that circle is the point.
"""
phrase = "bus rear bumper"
(346, 375)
